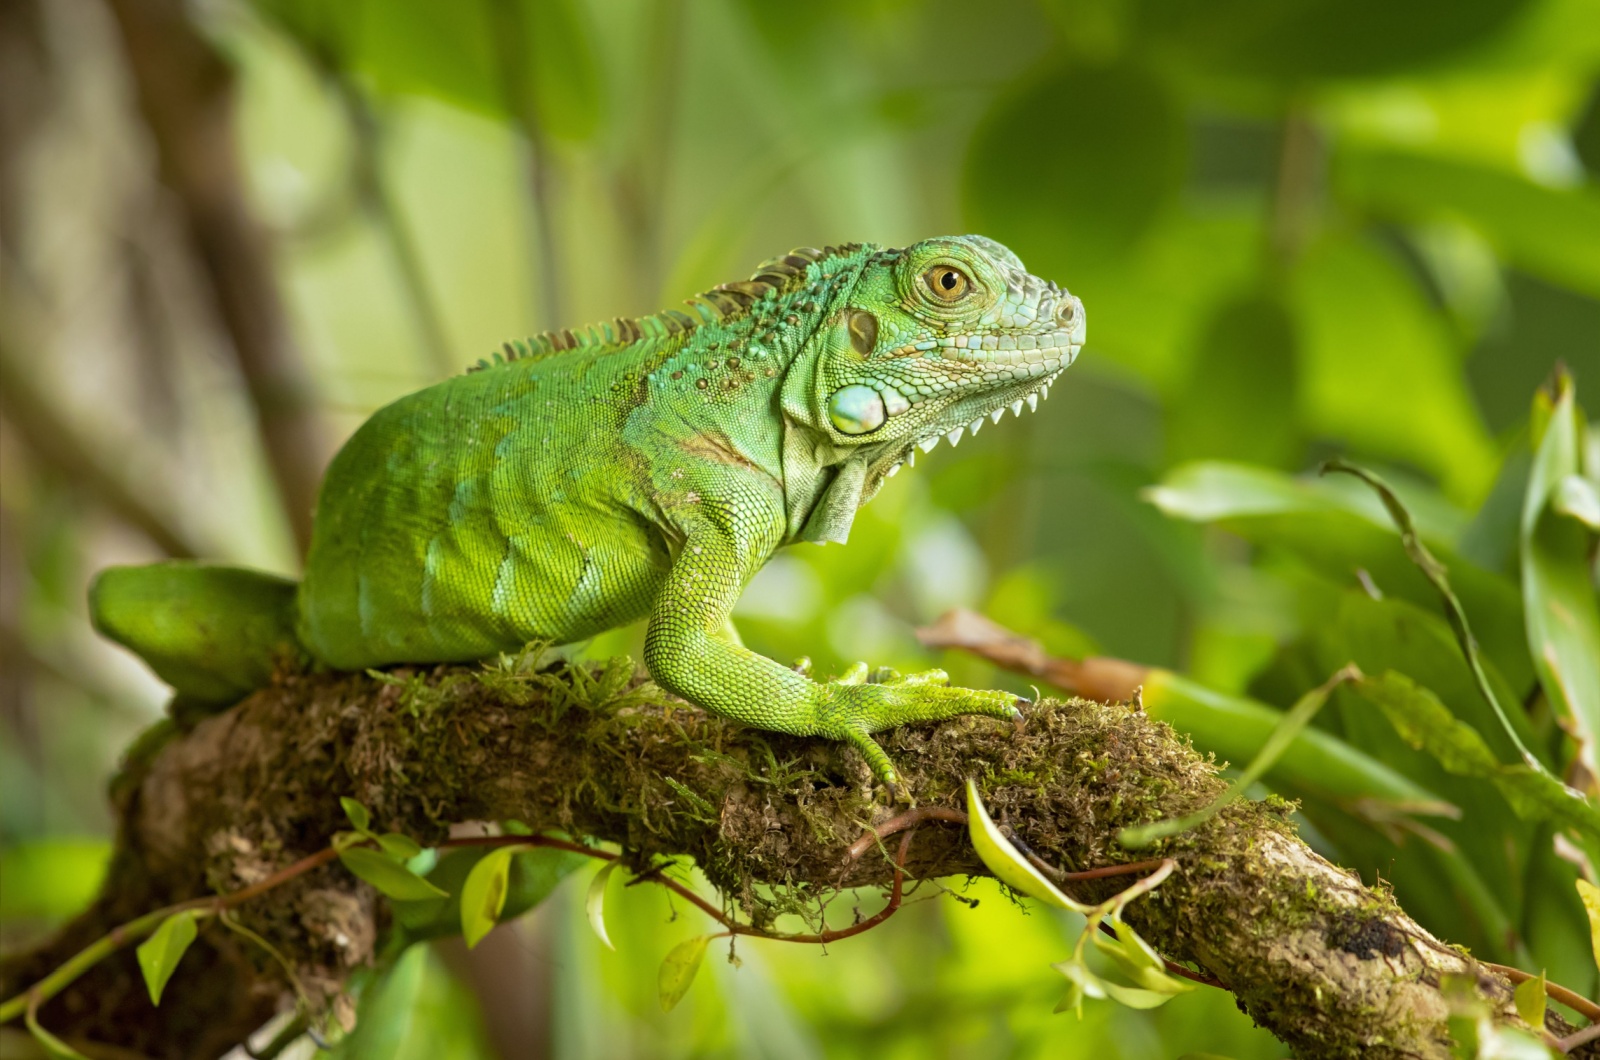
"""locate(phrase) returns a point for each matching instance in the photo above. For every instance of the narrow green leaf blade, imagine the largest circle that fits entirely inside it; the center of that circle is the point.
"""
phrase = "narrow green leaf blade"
(1003, 859)
(360, 819)
(1294, 720)
(678, 970)
(1562, 612)
(160, 953)
(594, 903)
(389, 876)
(483, 896)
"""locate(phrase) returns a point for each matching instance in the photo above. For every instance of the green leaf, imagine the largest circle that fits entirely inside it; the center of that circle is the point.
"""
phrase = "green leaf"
(1107, 154)
(389, 876)
(360, 819)
(160, 953)
(483, 895)
(53, 1046)
(1337, 526)
(1316, 764)
(1591, 905)
(534, 875)
(1417, 407)
(1310, 39)
(594, 902)
(1427, 724)
(1530, 999)
(1243, 371)
(1293, 721)
(51, 879)
(1437, 574)
(678, 970)
(1575, 496)
(1550, 232)
(1563, 612)
(400, 847)
(1004, 860)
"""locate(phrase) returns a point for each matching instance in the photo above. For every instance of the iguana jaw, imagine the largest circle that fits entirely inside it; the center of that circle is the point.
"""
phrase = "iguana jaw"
(969, 416)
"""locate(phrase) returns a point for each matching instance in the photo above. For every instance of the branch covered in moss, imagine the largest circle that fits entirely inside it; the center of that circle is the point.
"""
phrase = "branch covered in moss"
(1333, 968)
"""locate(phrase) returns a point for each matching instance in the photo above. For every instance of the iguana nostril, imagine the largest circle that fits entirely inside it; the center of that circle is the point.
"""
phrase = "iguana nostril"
(1068, 311)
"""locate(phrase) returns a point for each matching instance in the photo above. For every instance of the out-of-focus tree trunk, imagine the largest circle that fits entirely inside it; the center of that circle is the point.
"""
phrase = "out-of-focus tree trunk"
(185, 94)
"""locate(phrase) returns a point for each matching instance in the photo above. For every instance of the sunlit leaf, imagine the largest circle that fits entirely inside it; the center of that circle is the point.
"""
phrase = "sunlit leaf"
(1591, 905)
(483, 895)
(160, 953)
(360, 819)
(678, 970)
(1006, 862)
(389, 876)
(594, 902)
(1575, 496)
(1290, 726)
(1563, 613)
(1530, 999)
(534, 875)
(1137, 997)
(1106, 154)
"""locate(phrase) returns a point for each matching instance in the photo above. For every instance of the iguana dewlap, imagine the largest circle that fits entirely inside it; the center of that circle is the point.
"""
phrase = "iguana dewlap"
(639, 468)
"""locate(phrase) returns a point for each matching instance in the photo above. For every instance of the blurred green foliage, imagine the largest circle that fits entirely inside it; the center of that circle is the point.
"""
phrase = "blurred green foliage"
(1350, 227)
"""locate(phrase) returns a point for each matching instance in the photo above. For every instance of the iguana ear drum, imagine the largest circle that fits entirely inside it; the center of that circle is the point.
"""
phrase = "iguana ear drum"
(856, 409)
(863, 332)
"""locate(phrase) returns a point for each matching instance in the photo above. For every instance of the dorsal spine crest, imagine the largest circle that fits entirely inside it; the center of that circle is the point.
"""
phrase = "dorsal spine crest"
(722, 304)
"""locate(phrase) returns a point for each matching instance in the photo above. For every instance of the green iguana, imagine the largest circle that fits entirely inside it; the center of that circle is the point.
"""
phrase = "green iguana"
(639, 467)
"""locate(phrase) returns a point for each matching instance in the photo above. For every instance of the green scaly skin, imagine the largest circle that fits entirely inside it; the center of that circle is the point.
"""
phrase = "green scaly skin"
(641, 468)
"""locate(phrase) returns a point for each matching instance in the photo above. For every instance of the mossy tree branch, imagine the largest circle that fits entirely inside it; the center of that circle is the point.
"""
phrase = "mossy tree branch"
(1332, 967)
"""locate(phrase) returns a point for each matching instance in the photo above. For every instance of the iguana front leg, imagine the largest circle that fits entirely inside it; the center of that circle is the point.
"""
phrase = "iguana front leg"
(688, 654)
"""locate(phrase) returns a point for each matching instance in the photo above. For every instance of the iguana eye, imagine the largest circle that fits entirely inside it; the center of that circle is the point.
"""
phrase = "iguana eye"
(948, 284)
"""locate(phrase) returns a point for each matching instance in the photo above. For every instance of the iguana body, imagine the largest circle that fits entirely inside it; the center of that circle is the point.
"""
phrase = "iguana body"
(643, 468)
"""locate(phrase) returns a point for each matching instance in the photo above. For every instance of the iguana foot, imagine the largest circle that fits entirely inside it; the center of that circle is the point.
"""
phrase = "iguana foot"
(863, 701)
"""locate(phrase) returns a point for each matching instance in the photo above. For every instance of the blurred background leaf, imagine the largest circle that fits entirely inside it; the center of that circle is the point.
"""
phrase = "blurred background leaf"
(1333, 227)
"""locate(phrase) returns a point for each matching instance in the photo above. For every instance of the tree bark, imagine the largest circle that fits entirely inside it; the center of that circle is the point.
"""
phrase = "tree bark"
(1333, 968)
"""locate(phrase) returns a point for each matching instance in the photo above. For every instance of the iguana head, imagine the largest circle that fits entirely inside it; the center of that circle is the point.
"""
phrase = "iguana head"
(928, 343)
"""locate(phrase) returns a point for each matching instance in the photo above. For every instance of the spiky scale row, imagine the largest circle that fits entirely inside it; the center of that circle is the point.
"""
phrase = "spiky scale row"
(722, 304)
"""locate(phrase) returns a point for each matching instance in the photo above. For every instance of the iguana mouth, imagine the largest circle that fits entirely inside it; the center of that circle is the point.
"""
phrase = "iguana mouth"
(1024, 398)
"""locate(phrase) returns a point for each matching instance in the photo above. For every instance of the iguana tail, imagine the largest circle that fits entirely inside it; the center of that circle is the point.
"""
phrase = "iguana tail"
(213, 633)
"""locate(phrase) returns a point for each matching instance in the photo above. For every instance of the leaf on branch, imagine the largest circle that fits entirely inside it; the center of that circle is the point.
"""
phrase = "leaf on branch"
(678, 970)
(390, 877)
(483, 896)
(360, 819)
(400, 847)
(594, 903)
(1530, 999)
(1006, 862)
(160, 953)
